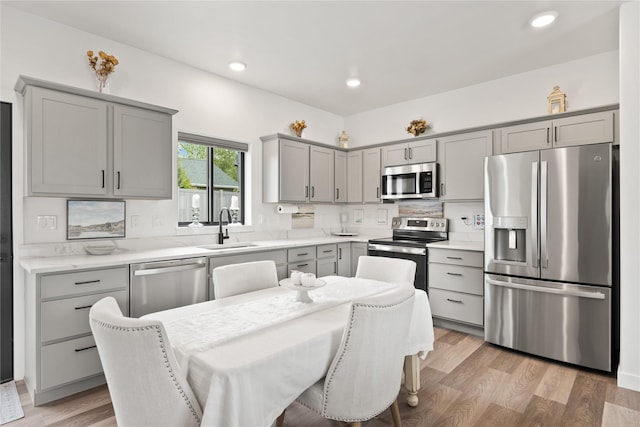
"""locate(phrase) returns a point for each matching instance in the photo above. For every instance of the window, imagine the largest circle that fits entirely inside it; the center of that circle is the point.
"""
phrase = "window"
(210, 175)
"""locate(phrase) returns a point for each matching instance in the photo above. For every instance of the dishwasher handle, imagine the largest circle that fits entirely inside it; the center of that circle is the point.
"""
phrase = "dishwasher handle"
(163, 270)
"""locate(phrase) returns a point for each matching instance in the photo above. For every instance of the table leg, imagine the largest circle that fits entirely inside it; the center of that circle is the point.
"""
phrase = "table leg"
(412, 378)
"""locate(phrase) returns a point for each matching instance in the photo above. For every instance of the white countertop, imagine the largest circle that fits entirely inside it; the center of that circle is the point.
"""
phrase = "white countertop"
(458, 244)
(51, 264)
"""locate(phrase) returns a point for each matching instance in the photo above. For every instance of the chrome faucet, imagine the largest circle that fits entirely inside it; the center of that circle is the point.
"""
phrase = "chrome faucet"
(223, 237)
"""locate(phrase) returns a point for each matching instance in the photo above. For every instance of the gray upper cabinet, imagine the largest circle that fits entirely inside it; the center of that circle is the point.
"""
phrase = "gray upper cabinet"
(67, 147)
(141, 137)
(321, 174)
(296, 172)
(462, 165)
(371, 178)
(340, 176)
(420, 151)
(83, 143)
(354, 181)
(591, 128)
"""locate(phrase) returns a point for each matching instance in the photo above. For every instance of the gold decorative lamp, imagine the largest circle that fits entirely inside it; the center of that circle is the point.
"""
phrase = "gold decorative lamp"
(557, 100)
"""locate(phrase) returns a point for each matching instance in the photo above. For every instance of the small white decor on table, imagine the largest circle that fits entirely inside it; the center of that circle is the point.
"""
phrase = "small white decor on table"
(195, 211)
(302, 283)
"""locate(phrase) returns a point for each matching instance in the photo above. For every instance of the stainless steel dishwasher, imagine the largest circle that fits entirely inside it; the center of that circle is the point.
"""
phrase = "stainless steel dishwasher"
(162, 285)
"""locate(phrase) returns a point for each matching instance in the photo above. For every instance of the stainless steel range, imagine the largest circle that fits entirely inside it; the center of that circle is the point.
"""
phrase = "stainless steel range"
(409, 241)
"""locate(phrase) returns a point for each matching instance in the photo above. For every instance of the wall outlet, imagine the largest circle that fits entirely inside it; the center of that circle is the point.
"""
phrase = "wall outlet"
(478, 221)
(135, 221)
(47, 222)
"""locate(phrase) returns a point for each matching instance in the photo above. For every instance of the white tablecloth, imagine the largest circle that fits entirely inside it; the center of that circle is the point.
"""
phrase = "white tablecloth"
(247, 377)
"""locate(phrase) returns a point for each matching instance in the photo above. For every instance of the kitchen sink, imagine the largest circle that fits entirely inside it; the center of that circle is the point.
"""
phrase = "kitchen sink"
(217, 247)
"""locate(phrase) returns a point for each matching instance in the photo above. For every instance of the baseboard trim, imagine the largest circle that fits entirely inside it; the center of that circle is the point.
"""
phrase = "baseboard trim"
(630, 381)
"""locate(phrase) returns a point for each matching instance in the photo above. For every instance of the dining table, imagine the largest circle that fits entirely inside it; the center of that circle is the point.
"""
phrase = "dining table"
(249, 356)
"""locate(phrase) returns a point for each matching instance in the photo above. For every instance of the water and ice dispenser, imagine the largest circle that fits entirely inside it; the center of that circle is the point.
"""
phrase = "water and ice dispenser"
(510, 238)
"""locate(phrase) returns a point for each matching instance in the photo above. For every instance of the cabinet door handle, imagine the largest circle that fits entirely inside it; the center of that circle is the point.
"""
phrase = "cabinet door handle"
(405, 154)
(102, 178)
(306, 191)
(454, 274)
(410, 153)
(337, 194)
(548, 140)
(454, 257)
(335, 268)
(85, 348)
(313, 191)
(118, 180)
(454, 300)
(83, 307)
(377, 192)
(555, 134)
(87, 282)
(339, 253)
(442, 192)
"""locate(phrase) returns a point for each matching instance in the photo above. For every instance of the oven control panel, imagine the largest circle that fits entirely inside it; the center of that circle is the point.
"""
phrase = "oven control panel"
(422, 224)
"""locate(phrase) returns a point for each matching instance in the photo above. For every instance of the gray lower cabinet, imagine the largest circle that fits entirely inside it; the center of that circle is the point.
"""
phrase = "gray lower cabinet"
(61, 356)
(357, 250)
(327, 260)
(456, 287)
(302, 259)
(344, 259)
(278, 256)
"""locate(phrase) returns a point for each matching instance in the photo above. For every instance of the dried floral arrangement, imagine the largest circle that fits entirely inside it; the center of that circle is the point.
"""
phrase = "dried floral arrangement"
(298, 127)
(107, 65)
(416, 127)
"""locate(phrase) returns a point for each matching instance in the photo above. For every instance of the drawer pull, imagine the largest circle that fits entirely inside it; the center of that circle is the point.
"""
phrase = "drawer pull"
(454, 300)
(78, 350)
(302, 265)
(455, 257)
(326, 252)
(83, 307)
(306, 253)
(454, 274)
(87, 282)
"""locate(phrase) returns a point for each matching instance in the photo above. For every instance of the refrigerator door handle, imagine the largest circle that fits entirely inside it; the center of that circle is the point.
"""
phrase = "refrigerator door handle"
(543, 289)
(544, 255)
(534, 212)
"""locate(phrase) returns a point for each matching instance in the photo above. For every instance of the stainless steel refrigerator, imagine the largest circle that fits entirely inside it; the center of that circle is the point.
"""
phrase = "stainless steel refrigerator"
(550, 253)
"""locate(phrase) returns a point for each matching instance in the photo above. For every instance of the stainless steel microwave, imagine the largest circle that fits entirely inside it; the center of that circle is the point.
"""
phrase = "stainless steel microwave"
(419, 181)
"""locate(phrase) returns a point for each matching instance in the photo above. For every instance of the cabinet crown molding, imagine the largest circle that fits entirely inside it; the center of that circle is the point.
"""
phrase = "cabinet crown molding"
(25, 81)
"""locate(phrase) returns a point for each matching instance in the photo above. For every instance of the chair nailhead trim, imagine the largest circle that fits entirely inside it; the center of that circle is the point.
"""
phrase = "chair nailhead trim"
(328, 382)
(164, 355)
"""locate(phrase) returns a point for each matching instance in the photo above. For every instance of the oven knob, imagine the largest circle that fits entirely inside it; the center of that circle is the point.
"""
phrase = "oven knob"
(431, 224)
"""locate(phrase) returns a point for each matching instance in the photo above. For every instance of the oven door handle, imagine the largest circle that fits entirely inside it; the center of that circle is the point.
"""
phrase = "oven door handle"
(397, 249)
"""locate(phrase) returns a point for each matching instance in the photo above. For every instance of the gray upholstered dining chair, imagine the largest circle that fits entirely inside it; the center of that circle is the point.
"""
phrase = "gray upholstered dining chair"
(392, 270)
(143, 376)
(364, 377)
(245, 277)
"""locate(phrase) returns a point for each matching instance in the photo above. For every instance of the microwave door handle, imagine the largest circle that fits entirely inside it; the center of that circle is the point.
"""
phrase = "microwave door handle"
(534, 213)
(544, 253)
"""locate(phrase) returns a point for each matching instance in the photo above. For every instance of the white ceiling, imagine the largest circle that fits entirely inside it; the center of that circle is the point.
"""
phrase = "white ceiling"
(305, 50)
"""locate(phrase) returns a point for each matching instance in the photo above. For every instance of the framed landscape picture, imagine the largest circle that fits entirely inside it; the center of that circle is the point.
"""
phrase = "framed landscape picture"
(95, 219)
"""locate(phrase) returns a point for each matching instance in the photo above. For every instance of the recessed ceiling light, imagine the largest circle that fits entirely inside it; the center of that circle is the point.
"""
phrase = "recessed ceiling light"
(353, 82)
(237, 66)
(543, 19)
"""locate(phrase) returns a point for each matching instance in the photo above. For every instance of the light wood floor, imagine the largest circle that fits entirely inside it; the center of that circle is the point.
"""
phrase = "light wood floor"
(465, 382)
